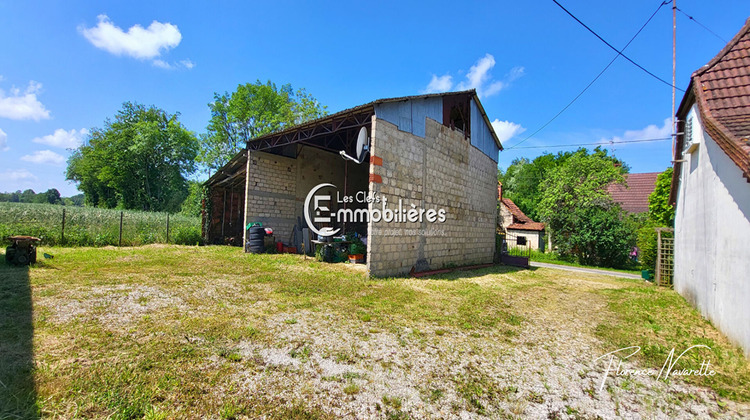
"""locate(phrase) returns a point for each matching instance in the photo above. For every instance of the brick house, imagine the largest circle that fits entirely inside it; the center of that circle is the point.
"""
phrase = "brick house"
(427, 152)
(711, 191)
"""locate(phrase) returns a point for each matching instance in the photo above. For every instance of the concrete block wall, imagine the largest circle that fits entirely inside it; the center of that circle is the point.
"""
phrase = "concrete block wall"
(277, 186)
(441, 170)
(271, 193)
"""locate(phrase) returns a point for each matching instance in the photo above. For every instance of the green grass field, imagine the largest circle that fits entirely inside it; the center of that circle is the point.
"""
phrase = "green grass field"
(87, 226)
(167, 331)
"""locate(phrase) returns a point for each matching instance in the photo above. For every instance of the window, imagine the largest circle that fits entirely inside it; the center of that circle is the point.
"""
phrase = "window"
(456, 113)
(521, 241)
(690, 138)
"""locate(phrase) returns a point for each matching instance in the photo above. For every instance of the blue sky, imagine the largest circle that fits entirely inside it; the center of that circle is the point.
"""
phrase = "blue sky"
(66, 66)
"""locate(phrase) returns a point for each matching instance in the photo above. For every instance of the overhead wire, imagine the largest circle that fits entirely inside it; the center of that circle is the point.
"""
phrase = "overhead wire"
(702, 25)
(619, 53)
(615, 49)
(598, 143)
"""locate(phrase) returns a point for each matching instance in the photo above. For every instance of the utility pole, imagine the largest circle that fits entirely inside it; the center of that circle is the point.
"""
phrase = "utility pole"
(674, 70)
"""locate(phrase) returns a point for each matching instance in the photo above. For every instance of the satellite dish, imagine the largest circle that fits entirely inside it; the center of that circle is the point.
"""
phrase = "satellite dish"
(363, 147)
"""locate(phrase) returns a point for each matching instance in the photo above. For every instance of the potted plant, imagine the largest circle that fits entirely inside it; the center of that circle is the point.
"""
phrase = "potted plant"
(357, 251)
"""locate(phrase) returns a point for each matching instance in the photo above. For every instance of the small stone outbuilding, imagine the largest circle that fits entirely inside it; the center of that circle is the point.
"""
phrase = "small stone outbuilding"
(427, 154)
(523, 231)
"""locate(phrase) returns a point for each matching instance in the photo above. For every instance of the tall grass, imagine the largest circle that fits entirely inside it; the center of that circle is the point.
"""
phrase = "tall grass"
(86, 226)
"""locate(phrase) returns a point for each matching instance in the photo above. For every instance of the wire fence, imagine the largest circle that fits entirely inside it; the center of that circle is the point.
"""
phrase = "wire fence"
(87, 226)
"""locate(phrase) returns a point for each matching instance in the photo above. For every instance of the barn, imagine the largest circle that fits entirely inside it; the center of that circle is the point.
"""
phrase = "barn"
(422, 192)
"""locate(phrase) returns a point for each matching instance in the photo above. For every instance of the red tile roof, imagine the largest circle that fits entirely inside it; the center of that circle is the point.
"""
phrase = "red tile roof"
(520, 220)
(518, 215)
(721, 89)
(633, 195)
(526, 226)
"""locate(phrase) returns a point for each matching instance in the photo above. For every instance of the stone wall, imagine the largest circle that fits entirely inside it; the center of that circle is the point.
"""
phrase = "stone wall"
(504, 216)
(440, 171)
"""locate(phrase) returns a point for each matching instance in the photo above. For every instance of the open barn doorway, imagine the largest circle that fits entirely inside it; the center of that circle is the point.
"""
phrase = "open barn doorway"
(268, 183)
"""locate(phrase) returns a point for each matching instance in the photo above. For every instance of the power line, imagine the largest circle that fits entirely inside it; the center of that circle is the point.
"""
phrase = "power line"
(664, 3)
(599, 143)
(615, 49)
(702, 25)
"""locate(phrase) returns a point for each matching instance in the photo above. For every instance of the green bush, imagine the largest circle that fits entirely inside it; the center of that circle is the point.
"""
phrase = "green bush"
(647, 244)
(87, 226)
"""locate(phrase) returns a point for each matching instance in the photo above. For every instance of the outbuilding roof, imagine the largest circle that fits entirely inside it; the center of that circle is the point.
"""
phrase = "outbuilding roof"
(353, 117)
(520, 220)
(633, 194)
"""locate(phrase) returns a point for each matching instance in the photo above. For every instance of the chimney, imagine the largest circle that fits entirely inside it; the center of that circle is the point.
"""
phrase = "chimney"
(499, 190)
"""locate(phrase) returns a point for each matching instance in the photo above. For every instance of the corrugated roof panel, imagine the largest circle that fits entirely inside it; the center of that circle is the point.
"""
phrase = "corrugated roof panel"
(481, 136)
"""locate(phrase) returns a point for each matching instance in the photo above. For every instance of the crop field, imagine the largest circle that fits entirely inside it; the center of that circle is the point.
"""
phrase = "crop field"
(87, 226)
(168, 331)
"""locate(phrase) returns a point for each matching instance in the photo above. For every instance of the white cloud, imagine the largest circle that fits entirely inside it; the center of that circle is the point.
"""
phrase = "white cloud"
(478, 77)
(439, 84)
(515, 73)
(137, 42)
(506, 130)
(23, 105)
(18, 175)
(185, 64)
(3, 141)
(64, 139)
(478, 74)
(651, 131)
(44, 157)
(162, 64)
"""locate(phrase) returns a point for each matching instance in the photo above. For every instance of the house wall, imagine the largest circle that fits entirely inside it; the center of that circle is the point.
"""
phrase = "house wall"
(504, 217)
(441, 170)
(712, 238)
(534, 238)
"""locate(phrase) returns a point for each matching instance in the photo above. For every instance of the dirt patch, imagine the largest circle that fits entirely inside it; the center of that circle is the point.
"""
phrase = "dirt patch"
(113, 306)
(354, 370)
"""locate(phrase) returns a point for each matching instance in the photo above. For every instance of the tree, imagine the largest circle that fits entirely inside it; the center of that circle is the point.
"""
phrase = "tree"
(254, 109)
(523, 179)
(27, 196)
(601, 238)
(139, 160)
(659, 209)
(52, 196)
(74, 200)
(192, 205)
(579, 211)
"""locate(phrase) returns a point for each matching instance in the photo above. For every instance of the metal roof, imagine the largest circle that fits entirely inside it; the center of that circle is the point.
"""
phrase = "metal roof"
(369, 107)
